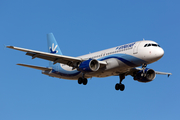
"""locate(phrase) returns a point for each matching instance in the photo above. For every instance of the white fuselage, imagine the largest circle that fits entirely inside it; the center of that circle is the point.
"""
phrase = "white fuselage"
(119, 60)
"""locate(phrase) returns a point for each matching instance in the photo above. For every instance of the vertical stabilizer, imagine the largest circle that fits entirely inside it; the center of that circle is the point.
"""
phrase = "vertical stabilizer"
(52, 44)
(53, 48)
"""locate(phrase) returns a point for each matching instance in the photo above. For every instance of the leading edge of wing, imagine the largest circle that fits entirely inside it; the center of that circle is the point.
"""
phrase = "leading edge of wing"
(35, 67)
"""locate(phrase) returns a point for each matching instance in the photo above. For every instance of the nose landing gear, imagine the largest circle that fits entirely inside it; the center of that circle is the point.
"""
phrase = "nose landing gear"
(143, 68)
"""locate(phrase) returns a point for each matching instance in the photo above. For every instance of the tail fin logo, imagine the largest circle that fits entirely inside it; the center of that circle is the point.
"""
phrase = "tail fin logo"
(53, 49)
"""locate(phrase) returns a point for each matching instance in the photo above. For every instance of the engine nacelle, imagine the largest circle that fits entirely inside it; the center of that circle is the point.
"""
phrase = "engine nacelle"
(90, 65)
(147, 76)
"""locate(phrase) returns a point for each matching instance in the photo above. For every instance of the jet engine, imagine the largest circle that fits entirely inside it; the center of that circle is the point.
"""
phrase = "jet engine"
(90, 65)
(146, 75)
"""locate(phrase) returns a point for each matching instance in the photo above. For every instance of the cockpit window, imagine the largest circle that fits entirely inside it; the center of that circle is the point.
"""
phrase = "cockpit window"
(149, 45)
(155, 45)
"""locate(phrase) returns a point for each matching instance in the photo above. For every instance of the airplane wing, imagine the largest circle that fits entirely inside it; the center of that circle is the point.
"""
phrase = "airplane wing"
(163, 73)
(138, 69)
(71, 61)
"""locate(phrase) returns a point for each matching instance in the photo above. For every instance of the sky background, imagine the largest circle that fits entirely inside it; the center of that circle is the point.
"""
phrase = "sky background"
(81, 27)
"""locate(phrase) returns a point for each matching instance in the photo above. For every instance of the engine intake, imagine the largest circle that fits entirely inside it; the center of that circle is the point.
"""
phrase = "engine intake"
(90, 65)
(147, 76)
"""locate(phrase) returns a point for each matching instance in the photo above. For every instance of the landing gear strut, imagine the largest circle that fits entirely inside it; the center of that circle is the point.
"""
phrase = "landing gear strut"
(120, 86)
(82, 80)
(143, 68)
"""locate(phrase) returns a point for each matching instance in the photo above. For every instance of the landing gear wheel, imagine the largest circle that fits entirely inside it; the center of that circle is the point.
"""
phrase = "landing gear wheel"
(117, 86)
(121, 87)
(80, 80)
(85, 81)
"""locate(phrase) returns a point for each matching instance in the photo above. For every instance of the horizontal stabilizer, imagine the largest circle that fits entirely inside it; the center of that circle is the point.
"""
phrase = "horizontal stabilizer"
(35, 67)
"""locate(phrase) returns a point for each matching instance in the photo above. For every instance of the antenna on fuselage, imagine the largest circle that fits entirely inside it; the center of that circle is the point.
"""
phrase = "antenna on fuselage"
(143, 39)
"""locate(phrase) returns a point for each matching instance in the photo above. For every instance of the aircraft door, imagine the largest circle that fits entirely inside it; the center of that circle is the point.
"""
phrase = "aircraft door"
(135, 49)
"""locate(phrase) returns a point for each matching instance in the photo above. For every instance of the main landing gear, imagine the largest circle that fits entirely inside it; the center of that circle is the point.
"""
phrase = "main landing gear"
(120, 86)
(82, 80)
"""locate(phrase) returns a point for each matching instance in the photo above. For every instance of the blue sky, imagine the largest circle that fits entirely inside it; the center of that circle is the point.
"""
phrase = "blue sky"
(81, 27)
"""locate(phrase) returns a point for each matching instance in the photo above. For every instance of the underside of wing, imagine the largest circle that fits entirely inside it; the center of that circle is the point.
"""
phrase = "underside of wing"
(135, 70)
(163, 73)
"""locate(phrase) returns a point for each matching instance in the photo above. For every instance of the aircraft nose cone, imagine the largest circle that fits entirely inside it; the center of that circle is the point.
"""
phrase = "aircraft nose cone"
(160, 53)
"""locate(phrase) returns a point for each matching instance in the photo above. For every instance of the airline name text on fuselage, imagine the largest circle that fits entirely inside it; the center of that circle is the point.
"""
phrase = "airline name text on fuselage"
(127, 46)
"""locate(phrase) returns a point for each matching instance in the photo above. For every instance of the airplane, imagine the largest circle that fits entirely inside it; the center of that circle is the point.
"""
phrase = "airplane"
(119, 61)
